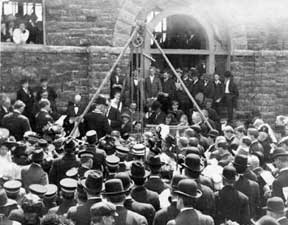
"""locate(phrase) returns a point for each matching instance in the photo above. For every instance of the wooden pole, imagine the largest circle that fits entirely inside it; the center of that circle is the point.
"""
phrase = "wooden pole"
(179, 78)
(104, 81)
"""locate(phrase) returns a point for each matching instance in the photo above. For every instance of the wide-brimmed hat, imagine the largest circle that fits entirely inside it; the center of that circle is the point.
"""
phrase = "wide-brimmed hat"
(12, 186)
(138, 170)
(51, 192)
(138, 150)
(126, 180)
(113, 187)
(279, 152)
(38, 189)
(192, 162)
(94, 182)
(101, 101)
(188, 188)
(112, 161)
(85, 153)
(275, 204)
(68, 185)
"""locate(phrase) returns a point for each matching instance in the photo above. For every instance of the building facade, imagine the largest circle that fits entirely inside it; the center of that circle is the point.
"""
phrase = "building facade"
(82, 39)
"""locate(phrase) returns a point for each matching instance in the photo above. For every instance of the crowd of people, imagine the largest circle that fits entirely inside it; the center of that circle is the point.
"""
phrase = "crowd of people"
(119, 168)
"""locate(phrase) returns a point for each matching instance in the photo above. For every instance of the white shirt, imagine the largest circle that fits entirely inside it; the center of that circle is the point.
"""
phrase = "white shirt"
(227, 87)
(151, 79)
(19, 37)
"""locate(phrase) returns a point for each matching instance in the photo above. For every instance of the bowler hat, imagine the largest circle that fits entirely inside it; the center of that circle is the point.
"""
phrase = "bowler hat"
(278, 152)
(229, 173)
(188, 188)
(126, 180)
(94, 181)
(113, 187)
(101, 101)
(138, 170)
(192, 162)
(101, 209)
(176, 179)
(155, 161)
(275, 204)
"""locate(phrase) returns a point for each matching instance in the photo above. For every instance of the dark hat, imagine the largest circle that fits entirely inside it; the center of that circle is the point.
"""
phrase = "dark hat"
(101, 101)
(38, 189)
(138, 170)
(122, 150)
(42, 143)
(176, 179)
(229, 173)
(227, 74)
(125, 115)
(113, 187)
(103, 209)
(155, 105)
(188, 188)
(112, 161)
(126, 180)
(68, 185)
(155, 161)
(196, 128)
(51, 192)
(12, 186)
(192, 162)
(264, 128)
(94, 181)
(72, 173)
(213, 133)
(85, 153)
(91, 136)
(278, 152)
(20, 150)
(138, 150)
(240, 163)
(69, 146)
(37, 155)
(4, 200)
(275, 204)
(191, 150)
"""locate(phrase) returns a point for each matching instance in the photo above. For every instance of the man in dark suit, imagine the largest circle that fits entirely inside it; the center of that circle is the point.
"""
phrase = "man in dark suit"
(208, 86)
(116, 80)
(157, 116)
(152, 84)
(34, 173)
(96, 120)
(25, 95)
(67, 191)
(168, 86)
(170, 212)
(218, 92)
(231, 204)
(80, 214)
(44, 87)
(114, 118)
(73, 111)
(144, 209)
(248, 187)
(61, 165)
(43, 117)
(188, 192)
(276, 208)
(5, 107)
(230, 95)
(154, 182)
(15, 122)
(140, 193)
(280, 184)
(115, 193)
(196, 84)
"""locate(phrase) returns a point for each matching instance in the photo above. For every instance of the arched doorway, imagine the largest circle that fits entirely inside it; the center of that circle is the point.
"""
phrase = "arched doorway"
(188, 41)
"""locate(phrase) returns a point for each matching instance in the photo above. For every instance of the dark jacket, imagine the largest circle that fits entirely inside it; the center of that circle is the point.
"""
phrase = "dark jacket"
(279, 183)
(157, 118)
(142, 194)
(169, 88)
(17, 124)
(60, 166)
(144, 209)
(156, 184)
(208, 89)
(233, 205)
(51, 94)
(69, 121)
(63, 207)
(218, 90)
(99, 157)
(166, 214)
(80, 214)
(98, 122)
(41, 120)
(251, 190)
(128, 217)
(191, 216)
(3, 112)
(196, 87)
(151, 90)
(28, 99)
(114, 116)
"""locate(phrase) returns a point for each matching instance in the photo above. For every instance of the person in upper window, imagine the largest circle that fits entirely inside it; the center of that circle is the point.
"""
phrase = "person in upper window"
(21, 34)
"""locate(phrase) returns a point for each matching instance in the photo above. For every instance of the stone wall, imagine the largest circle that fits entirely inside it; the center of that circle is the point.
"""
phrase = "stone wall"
(70, 69)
